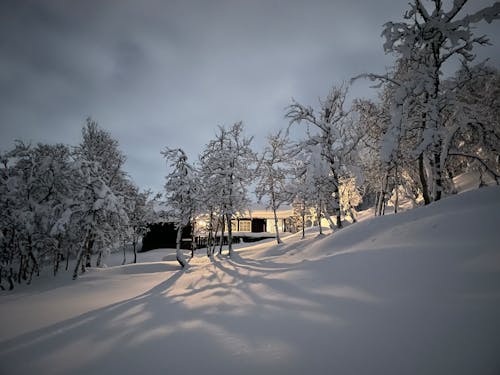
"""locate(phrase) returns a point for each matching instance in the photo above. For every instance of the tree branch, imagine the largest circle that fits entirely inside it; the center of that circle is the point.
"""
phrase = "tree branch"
(455, 153)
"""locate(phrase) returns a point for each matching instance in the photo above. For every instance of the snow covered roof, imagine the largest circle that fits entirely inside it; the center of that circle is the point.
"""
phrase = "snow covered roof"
(261, 212)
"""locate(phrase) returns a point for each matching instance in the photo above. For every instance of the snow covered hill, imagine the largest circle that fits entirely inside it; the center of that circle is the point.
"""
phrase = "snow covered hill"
(413, 293)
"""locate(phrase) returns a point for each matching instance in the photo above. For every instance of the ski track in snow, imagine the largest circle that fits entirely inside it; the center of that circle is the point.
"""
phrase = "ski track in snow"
(413, 293)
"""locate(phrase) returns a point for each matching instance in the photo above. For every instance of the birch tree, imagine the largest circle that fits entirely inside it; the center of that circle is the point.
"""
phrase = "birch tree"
(101, 160)
(97, 212)
(181, 196)
(33, 191)
(209, 194)
(427, 41)
(334, 135)
(229, 164)
(273, 175)
(473, 136)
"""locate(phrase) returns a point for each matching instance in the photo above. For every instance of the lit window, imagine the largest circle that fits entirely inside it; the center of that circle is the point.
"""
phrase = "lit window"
(245, 226)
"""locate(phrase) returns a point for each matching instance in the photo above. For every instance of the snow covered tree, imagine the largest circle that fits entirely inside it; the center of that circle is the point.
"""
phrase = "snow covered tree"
(139, 208)
(372, 120)
(97, 212)
(349, 197)
(34, 193)
(473, 134)
(273, 174)
(181, 194)
(209, 193)
(98, 208)
(426, 42)
(311, 188)
(99, 147)
(140, 213)
(301, 212)
(51, 187)
(56, 203)
(386, 152)
(302, 189)
(228, 163)
(335, 137)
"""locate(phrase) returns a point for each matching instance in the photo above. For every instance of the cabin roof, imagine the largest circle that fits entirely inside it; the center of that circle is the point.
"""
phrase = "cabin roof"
(260, 212)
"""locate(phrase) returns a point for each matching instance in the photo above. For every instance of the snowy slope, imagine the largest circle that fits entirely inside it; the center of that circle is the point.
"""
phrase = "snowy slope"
(413, 293)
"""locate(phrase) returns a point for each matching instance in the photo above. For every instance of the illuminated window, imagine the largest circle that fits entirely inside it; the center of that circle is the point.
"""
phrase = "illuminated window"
(245, 226)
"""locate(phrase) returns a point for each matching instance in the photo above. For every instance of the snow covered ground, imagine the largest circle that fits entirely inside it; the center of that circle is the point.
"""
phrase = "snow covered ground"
(413, 293)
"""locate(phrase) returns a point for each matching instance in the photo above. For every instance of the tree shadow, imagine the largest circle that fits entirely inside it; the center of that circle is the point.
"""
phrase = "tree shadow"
(231, 313)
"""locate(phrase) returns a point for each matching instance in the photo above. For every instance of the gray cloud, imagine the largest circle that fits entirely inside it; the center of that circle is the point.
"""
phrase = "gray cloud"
(166, 73)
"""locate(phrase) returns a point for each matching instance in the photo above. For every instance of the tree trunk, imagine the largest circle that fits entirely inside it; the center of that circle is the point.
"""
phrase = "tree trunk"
(33, 267)
(221, 234)
(193, 239)
(79, 259)
(10, 278)
(214, 239)
(482, 182)
(336, 202)
(20, 272)
(278, 239)
(229, 234)
(352, 212)
(377, 201)
(329, 219)
(88, 259)
(396, 184)
(303, 222)
(318, 217)
(67, 258)
(99, 259)
(58, 257)
(83, 269)
(336, 193)
(178, 252)
(438, 176)
(124, 253)
(423, 179)
(88, 251)
(381, 202)
(134, 246)
(31, 273)
(453, 189)
(210, 234)
(396, 202)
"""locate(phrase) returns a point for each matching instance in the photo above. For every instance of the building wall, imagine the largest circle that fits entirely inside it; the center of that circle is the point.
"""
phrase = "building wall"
(258, 225)
(270, 225)
(164, 235)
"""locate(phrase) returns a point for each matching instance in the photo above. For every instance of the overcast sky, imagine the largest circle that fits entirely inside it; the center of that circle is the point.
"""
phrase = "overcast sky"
(166, 73)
